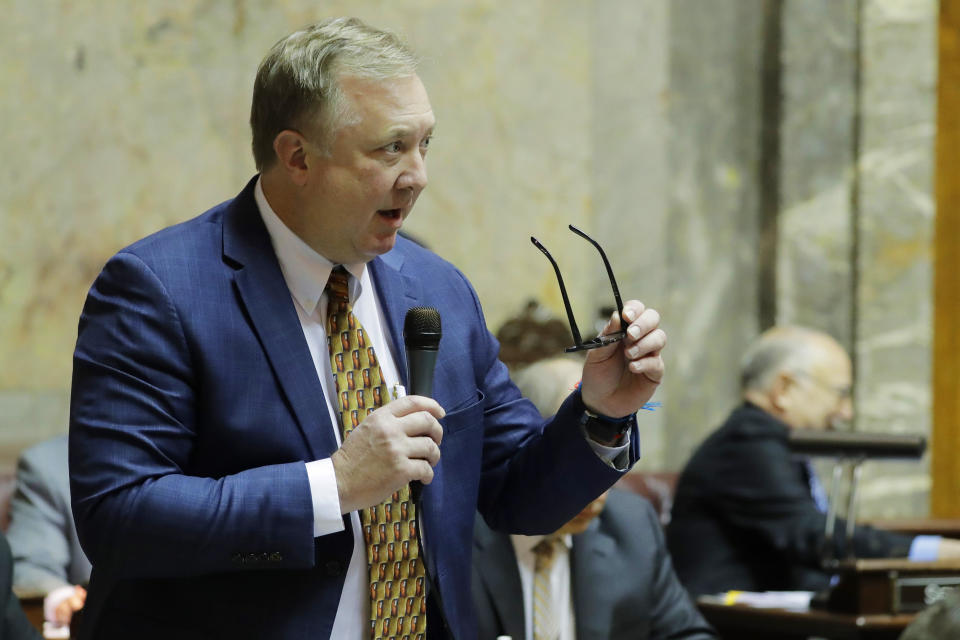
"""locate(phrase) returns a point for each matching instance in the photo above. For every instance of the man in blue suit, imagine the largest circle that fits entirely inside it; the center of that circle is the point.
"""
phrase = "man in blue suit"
(213, 488)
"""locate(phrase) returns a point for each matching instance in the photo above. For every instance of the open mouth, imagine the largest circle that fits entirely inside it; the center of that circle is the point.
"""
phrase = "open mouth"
(391, 214)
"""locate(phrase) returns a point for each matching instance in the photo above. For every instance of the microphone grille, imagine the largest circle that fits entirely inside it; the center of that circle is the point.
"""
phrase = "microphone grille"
(421, 328)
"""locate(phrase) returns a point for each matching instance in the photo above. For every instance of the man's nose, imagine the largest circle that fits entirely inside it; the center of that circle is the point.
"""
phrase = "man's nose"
(414, 175)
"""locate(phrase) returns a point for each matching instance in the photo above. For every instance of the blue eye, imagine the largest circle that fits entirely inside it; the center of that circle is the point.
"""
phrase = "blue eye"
(394, 147)
(425, 143)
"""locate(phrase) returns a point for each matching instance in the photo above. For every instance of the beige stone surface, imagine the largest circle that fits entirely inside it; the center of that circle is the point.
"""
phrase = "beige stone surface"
(122, 118)
(894, 298)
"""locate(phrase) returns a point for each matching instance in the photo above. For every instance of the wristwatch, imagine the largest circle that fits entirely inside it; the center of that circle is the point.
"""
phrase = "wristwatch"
(604, 430)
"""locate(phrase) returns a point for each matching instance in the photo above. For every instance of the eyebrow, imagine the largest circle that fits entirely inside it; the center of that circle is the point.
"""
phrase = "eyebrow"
(402, 130)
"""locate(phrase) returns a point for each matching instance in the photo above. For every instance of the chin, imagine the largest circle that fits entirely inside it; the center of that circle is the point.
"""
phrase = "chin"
(383, 245)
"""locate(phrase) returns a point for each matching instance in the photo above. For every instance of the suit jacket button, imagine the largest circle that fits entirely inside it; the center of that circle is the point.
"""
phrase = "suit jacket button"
(276, 556)
(334, 568)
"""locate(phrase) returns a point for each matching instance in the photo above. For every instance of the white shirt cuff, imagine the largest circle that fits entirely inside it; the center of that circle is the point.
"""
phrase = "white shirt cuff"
(613, 456)
(924, 548)
(327, 517)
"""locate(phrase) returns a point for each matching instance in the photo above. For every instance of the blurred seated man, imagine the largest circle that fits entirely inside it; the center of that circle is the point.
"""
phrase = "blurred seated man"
(13, 621)
(939, 621)
(47, 556)
(609, 572)
(748, 514)
(532, 335)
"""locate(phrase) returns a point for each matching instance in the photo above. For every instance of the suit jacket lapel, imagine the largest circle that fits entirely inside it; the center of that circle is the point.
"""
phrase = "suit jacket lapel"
(592, 565)
(397, 293)
(497, 565)
(263, 292)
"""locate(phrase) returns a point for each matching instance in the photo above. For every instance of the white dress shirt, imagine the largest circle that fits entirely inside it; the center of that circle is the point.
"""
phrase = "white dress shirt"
(306, 273)
(560, 590)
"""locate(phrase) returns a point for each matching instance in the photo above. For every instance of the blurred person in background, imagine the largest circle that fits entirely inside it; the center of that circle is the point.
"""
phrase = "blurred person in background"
(609, 573)
(748, 513)
(939, 621)
(47, 558)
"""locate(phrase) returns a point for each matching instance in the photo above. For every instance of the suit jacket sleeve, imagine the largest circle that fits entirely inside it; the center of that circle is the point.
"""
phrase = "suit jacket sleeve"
(526, 458)
(41, 531)
(134, 418)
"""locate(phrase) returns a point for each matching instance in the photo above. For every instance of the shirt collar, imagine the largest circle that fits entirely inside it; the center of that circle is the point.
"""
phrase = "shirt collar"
(305, 270)
(525, 544)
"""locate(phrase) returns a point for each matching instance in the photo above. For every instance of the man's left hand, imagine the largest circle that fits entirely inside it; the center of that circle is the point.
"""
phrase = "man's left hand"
(619, 378)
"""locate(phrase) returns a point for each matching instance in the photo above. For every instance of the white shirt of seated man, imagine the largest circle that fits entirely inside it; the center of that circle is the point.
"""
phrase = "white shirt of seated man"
(560, 593)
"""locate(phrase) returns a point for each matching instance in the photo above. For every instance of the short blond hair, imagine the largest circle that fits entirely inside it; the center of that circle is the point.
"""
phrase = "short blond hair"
(297, 85)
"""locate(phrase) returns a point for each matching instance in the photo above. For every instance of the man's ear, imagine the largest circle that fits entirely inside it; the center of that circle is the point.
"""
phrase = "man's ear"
(290, 148)
(779, 391)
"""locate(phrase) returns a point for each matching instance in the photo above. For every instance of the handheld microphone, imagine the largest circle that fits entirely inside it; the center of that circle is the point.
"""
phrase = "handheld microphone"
(421, 340)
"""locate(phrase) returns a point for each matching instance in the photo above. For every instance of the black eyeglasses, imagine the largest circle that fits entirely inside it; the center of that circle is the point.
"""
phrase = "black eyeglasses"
(599, 341)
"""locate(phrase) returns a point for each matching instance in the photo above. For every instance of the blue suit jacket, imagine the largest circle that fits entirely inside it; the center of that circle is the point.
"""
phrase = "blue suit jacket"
(195, 402)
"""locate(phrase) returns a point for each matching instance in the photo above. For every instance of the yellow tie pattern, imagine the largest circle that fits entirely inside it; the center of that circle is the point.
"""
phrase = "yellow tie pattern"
(545, 623)
(397, 586)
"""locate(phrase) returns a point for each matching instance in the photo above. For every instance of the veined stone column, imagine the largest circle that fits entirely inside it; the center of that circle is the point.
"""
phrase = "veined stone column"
(894, 293)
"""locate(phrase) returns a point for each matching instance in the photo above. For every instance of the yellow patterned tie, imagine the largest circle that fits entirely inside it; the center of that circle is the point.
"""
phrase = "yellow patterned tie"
(397, 585)
(545, 623)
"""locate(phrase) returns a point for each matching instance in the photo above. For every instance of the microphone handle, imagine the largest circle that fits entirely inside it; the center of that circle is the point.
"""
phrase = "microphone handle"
(420, 365)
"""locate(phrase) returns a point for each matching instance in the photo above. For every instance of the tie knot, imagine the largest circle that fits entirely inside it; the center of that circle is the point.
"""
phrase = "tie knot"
(338, 285)
(545, 550)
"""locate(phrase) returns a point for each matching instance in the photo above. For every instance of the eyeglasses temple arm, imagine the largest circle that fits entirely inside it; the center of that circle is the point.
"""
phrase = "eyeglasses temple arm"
(606, 263)
(563, 291)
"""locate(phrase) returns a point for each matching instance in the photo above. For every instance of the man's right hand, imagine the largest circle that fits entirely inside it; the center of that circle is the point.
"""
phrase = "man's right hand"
(60, 604)
(394, 445)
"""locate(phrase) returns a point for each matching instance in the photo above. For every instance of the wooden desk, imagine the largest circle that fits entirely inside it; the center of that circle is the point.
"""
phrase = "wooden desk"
(743, 622)
(889, 585)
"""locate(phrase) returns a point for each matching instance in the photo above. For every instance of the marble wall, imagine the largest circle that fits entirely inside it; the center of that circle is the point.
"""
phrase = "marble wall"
(895, 221)
(857, 211)
(641, 121)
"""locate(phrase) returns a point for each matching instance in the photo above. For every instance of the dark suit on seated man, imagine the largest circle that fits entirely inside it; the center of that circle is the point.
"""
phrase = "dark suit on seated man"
(939, 621)
(748, 514)
(614, 580)
(622, 581)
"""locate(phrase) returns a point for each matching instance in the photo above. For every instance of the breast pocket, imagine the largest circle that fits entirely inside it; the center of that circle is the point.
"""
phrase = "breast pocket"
(467, 415)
